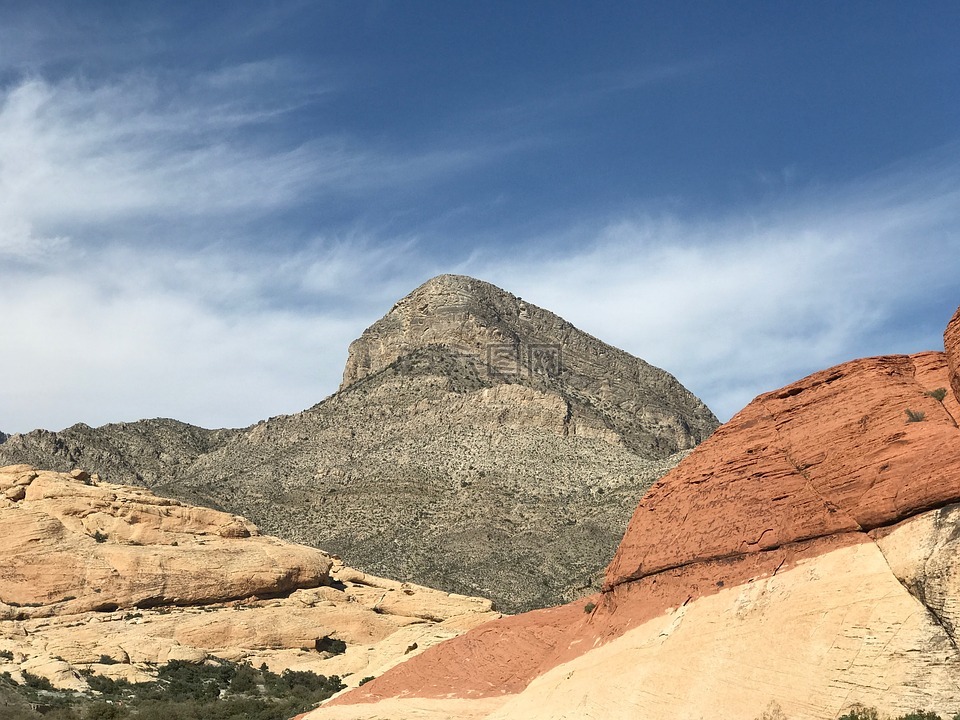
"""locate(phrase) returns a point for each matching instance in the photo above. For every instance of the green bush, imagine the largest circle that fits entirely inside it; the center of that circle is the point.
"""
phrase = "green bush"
(365, 680)
(915, 416)
(216, 690)
(331, 645)
(245, 680)
(920, 715)
(589, 607)
(859, 712)
(938, 394)
(36, 682)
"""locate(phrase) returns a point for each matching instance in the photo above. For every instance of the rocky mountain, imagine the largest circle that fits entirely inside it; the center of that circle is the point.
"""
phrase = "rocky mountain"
(114, 581)
(478, 444)
(802, 560)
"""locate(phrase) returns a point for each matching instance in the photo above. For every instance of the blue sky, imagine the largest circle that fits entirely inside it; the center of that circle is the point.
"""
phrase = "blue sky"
(202, 204)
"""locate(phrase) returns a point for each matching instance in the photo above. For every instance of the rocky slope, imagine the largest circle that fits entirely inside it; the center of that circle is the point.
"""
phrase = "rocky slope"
(477, 442)
(805, 556)
(603, 387)
(114, 580)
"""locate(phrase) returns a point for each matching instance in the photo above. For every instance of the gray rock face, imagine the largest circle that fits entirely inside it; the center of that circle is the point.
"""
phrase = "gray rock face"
(517, 342)
(478, 444)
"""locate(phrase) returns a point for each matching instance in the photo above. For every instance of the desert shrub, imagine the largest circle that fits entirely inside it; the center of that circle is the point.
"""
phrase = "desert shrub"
(19, 713)
(938, 394)
(588, 608)
(102, 684)
(915, 416)
(773, 712)
(331, 645)
(920, 715)
(103, 711)
(218, 690)
(36, 682)
(183, 680)
(365, 680)
(860, 712)
(99, 537)
(106, 660)
(245, 680)
(6, 655)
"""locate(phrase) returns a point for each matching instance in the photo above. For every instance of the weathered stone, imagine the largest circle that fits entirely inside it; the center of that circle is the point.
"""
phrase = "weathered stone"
(199, 578)
(951, 344)
(524, 344)
(89, 547)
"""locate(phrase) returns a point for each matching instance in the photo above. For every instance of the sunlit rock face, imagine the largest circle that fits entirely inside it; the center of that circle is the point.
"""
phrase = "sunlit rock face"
(115, 580)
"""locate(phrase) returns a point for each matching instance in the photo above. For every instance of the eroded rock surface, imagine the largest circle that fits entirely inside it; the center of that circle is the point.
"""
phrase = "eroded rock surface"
(603, 386)
(101, 577)
(804, 555)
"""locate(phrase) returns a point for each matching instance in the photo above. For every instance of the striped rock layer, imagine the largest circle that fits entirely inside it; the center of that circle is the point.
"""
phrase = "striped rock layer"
(805, 555)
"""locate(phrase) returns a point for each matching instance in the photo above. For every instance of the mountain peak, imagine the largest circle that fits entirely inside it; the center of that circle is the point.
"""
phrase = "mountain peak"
(510, 341)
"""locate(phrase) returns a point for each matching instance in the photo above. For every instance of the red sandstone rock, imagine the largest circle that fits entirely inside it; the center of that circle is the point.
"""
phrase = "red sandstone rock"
(951, 345)
(830, 453)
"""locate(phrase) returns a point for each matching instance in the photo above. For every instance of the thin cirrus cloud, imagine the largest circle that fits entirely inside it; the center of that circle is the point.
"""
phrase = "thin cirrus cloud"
(119, 307)
(133, 147)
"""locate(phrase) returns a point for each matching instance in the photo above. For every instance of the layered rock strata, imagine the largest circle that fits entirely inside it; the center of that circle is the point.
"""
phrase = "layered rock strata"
(803, 557)
(112, 579)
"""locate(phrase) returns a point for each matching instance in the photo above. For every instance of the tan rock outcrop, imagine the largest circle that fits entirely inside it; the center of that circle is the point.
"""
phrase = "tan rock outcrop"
(517, 342)
(112, 579)
(805, 555)
(84, 545)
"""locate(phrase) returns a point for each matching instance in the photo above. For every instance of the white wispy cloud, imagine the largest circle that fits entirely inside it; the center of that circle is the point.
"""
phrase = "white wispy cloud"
(73, 152)
(129, 281)
(115, 333)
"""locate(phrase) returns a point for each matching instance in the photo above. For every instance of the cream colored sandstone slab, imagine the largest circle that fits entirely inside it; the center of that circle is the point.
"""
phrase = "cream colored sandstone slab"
(412, 709)
(923, 553)
(815, 638)
(834, 630)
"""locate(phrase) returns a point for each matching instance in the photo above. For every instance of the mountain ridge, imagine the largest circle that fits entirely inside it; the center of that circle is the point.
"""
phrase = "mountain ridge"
(449, 458)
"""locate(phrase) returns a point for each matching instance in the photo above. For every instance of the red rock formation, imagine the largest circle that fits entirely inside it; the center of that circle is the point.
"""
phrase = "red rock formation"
(830, 453)
(951, 345)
